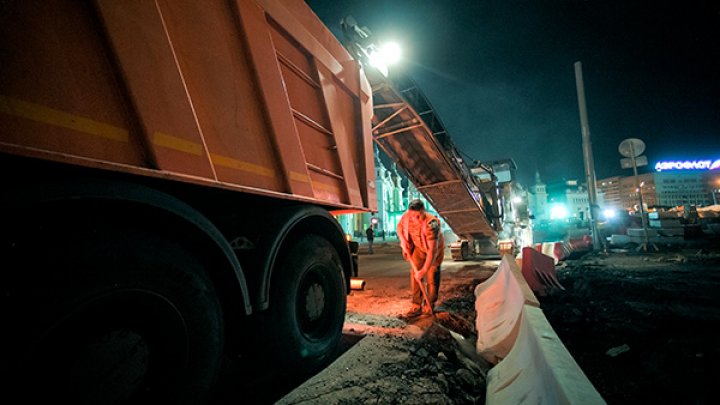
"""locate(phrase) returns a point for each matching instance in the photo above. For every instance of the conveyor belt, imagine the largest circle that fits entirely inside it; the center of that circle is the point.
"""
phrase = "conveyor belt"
(406, 128)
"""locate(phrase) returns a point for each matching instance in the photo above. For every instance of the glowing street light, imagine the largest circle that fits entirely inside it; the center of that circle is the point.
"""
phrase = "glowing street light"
(609, 213)
(558, 211)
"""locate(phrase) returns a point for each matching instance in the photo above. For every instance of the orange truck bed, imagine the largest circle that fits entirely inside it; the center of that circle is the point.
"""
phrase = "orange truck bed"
(172, 172)
(253, 96)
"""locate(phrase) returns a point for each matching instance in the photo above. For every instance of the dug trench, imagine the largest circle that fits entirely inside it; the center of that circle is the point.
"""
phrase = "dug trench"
(642, 326)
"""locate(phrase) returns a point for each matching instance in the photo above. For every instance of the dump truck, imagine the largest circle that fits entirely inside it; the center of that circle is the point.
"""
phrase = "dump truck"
(171, 173)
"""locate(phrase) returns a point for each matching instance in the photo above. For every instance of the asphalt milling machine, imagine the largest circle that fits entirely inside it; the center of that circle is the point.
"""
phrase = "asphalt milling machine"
(407, 128)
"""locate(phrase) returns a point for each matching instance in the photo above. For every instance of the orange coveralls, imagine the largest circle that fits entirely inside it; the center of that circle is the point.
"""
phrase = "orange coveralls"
(415, 238)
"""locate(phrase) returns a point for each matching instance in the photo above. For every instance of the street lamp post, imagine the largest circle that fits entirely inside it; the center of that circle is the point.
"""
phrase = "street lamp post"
(639, 185)
(588, 157)
(632, 148)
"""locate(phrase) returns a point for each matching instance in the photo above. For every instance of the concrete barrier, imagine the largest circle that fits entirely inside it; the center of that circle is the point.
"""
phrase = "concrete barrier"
(539, 369)
(532, 366)
(498, 302)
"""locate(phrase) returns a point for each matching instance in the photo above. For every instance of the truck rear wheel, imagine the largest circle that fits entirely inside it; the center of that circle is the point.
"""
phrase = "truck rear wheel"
(307, 307)
(113, 316)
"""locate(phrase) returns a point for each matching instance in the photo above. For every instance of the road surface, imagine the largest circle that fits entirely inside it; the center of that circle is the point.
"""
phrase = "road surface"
(376, 311)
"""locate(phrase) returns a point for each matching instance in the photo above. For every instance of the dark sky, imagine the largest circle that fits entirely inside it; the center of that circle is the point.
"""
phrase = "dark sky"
(500, 75)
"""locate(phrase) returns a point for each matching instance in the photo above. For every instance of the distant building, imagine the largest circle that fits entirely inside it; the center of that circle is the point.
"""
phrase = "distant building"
(674, 188)
(394, 192)
(390, 200)
(662, 189)
(538, 199)
(570, 199)
(610, 188)
(629, 197)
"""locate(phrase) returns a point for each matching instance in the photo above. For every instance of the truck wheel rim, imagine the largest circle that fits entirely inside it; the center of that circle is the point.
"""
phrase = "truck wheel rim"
(312, 305)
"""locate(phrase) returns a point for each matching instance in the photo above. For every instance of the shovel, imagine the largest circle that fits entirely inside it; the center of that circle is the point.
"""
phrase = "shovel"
(422, 289)
(466, 347)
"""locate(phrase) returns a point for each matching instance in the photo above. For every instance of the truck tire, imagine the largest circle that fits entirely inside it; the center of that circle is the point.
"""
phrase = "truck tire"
(307, 307)
(113, 316)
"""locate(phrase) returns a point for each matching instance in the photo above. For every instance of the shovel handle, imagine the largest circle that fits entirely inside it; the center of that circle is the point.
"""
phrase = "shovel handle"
(422, 289)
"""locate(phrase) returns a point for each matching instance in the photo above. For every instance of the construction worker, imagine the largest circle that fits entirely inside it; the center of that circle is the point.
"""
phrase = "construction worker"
(423, 245)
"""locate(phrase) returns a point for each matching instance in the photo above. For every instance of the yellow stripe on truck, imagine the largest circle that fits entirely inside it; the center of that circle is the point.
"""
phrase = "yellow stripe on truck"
(51, 116)
(240, 165)
(179, 144)
(299, 177)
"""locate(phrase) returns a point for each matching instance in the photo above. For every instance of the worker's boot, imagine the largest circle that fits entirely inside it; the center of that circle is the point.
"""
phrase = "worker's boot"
(415, 310)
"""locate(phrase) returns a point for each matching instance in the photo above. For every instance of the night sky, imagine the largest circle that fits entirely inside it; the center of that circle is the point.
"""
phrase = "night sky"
(500, 75)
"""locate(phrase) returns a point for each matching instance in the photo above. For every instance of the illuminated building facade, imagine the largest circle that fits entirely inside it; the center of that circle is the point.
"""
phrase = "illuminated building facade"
(570, 199)
(674, 183)
(538, 199)
(394, 192)
(610, 188)
(675, 188)
(390, 200)
(629, 197)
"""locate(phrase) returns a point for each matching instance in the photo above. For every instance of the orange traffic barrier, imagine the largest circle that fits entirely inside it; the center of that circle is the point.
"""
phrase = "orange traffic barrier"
(562, 250)
(538, 270)
(559, 251)
(581, 244)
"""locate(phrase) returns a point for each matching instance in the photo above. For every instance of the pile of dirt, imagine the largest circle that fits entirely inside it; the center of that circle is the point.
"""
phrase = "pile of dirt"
(420, 360)
(641, 325)
(397, 369)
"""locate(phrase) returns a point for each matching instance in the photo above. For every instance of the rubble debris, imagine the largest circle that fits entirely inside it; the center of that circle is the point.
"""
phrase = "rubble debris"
(618, 350)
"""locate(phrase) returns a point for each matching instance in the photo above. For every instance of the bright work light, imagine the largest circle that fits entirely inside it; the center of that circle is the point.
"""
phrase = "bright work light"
(391, 52)
(558, 211)
(388, 54)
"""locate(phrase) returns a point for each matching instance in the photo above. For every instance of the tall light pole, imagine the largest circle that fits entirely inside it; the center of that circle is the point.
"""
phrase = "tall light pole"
(588, 157)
